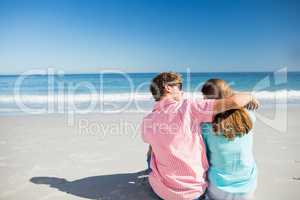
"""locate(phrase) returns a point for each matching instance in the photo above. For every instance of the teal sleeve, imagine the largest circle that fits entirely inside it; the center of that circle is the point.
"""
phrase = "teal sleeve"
(205, 131)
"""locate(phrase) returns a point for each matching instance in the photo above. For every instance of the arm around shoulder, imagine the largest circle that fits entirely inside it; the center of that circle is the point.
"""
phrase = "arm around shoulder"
(235, 101)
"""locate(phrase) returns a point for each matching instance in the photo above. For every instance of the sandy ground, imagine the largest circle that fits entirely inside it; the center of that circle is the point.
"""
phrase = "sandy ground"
(101, 156)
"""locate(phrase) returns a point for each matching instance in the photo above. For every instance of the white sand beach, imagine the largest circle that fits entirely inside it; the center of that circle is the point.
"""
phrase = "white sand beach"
(101, 156)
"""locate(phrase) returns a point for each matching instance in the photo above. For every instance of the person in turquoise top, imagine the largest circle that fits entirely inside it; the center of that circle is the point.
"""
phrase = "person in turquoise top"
(232, 174)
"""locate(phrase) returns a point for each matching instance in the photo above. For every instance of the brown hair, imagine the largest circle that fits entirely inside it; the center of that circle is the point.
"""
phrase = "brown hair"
(158, 83)
(230, 123)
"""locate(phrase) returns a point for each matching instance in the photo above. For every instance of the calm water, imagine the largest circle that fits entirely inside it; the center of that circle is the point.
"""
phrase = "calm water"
(113, 92)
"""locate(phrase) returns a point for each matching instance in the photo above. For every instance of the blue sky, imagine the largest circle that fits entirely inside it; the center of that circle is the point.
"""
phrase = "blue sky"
(139, 36)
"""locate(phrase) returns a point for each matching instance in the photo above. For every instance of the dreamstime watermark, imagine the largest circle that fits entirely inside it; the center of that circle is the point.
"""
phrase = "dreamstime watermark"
(84, 95)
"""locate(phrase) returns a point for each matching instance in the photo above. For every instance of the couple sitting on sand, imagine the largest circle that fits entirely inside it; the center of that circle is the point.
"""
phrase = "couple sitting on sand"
(200, 149)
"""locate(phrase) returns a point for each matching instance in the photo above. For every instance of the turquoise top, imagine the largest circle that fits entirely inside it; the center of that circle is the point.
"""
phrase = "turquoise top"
(232, 165)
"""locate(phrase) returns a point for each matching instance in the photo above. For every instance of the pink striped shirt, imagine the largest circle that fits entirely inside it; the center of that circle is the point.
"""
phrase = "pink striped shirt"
(178, 159)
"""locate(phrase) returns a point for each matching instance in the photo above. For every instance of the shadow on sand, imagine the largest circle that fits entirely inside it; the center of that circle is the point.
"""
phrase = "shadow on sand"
(133, 186)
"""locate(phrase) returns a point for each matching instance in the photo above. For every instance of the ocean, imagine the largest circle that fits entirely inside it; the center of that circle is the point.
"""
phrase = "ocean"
(113, 92)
